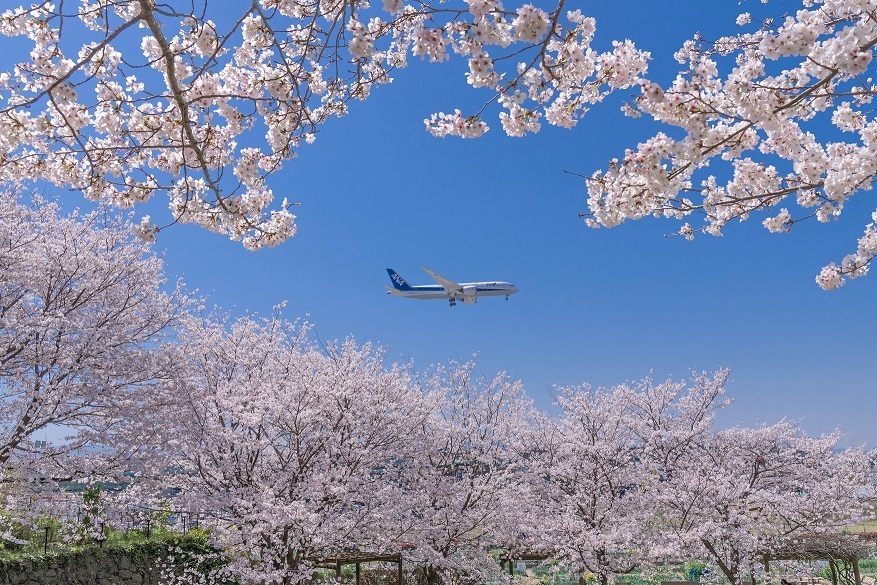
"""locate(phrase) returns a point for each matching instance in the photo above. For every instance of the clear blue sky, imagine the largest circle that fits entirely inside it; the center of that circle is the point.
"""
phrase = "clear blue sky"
(601, 306)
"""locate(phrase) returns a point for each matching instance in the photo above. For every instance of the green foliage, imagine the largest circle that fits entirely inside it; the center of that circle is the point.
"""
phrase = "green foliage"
(681, 572)
(693, 570)
(91, 505)
(634, 579)
(135, 541)
(33, 533)
(199, 535)
(868, 565)
(551, 575)
(161, 517)
(90, 526)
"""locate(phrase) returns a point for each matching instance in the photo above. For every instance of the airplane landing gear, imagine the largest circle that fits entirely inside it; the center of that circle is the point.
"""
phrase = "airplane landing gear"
(452, 302)
(507, 297)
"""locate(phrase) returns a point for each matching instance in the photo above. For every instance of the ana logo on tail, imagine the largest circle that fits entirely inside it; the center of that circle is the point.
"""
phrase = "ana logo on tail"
(399, 283)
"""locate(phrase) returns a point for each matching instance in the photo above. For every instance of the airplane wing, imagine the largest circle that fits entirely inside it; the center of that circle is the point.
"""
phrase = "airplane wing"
(451, 287)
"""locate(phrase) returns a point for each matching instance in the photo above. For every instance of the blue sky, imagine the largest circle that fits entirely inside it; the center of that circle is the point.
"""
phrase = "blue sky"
(602, 306)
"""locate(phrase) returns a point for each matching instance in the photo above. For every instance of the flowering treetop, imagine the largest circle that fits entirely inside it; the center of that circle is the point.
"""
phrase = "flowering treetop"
(461, 482)
(291, 446)
(151, 97)
(786, 104)
(744, 493)
(82, 311)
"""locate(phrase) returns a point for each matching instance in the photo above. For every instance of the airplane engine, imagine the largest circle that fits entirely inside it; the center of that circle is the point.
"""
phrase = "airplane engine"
(470, 291)
(470, 300)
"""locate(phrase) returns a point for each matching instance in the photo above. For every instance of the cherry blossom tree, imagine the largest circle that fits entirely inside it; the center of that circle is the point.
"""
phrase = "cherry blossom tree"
(595, 469)
(672, 418)
(462, 490)
(786, 104)
(83, 306)
(122, 99)
(587, 482)
(741, 494)
(289, 446)
(735, 495)
(586, 477)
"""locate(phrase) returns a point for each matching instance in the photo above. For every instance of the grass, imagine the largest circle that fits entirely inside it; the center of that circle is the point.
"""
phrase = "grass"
(116, 539)
(866, 526)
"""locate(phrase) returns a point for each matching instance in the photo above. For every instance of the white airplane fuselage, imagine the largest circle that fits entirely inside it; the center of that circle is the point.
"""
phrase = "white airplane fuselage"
(481, 289)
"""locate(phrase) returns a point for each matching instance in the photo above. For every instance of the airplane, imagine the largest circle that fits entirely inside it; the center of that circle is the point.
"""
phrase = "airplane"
(468, 292)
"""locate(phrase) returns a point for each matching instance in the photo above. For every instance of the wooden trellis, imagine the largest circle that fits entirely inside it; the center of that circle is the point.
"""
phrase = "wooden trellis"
(357, 558)
(511, 558)
(840, 550)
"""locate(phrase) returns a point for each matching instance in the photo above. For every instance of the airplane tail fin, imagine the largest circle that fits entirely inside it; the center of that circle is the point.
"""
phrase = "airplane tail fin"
(399, 283)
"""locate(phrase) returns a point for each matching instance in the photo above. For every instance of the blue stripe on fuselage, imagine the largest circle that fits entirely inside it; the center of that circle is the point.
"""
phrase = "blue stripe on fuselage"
(430, 288)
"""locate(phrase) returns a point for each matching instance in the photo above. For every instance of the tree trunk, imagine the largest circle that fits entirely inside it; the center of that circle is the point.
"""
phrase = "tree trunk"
(731, 569)
(432, 576)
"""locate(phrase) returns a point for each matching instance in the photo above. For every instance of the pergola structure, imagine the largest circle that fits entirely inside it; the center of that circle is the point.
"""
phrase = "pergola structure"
(358, 558)
(842, 551)
(510, 558)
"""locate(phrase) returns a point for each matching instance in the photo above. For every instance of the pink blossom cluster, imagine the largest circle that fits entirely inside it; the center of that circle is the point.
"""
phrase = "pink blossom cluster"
(753, 100)
(206, 115)
(562, 81)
